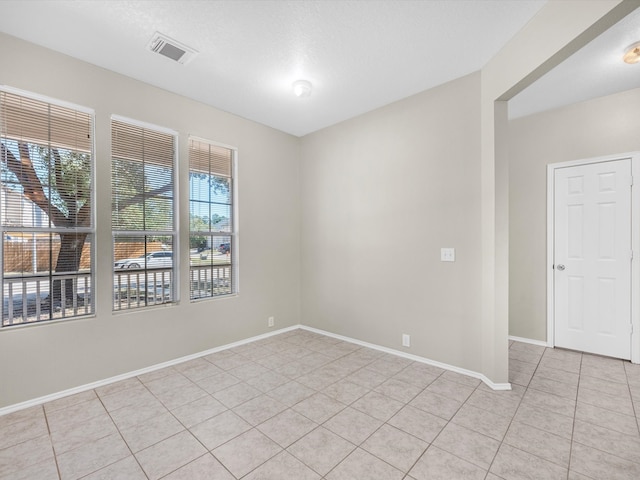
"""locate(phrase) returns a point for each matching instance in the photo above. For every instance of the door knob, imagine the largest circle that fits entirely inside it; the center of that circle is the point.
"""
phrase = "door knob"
(560, 267)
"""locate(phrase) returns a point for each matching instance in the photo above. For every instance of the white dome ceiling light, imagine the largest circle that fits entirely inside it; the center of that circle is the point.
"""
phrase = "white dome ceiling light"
(302, 88)
(632, 54)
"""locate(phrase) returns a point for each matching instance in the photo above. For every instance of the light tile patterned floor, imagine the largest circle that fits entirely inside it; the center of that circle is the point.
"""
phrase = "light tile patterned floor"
(301, 406)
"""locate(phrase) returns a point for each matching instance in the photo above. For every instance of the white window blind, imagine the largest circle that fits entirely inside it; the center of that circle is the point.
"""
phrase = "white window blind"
(211, 220)
(142, 220)
(46, 152)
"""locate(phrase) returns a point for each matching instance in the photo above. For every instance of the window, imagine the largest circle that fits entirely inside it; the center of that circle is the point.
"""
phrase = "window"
(211, 220)
(46, 167)
(142, 214)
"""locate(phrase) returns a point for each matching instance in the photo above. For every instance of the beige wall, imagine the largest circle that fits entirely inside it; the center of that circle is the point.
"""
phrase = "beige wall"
(44, 359)
(604, 126)
(381, 194)
(345, 168)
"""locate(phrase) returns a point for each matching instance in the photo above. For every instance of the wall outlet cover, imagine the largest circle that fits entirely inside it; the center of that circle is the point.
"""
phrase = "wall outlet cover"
(448, 254)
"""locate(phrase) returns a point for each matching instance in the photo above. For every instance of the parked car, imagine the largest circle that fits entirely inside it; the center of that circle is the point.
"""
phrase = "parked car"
(224, 248)
(152, 260)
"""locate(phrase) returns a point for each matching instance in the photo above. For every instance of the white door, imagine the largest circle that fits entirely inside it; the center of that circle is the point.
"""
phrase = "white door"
(592, 258)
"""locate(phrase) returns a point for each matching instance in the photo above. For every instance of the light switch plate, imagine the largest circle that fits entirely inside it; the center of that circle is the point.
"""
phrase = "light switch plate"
(448, 254)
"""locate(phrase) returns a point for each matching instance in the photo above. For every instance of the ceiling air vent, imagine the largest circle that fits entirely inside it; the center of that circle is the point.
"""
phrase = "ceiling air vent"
(171, 49)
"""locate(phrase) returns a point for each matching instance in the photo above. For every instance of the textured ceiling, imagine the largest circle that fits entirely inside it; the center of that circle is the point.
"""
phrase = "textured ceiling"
(359, 55)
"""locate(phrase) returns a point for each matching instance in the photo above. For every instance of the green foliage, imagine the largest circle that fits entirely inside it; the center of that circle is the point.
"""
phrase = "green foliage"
(56, 180)
(198, 224)
(66, 176)
(218, 185)
(142, 197)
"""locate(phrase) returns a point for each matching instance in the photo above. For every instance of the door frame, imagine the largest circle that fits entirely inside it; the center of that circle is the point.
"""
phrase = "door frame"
(635, 244)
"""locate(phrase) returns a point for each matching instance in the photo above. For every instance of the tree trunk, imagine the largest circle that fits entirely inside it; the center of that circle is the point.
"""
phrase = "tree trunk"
(71, 246)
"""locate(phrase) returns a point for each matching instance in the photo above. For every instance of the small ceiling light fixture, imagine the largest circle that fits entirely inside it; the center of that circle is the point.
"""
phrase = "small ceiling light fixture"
(302, 88)
(632, 55)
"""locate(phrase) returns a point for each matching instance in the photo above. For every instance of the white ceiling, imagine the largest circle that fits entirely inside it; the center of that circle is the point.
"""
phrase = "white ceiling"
(594, 71)
(359, 54)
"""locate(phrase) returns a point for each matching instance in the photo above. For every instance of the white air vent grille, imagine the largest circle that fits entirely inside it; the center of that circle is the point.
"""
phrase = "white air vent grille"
(171, 49)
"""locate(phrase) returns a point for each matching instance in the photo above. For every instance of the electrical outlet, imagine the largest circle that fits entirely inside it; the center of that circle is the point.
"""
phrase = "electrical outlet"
(271, 321)
(448, 254)
(406, 340)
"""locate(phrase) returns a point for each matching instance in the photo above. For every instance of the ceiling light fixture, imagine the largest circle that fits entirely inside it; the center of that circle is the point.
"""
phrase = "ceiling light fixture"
(632, 55)
(302, 88)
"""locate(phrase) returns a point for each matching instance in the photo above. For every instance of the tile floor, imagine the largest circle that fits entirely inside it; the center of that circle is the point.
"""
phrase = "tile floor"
(301, 406)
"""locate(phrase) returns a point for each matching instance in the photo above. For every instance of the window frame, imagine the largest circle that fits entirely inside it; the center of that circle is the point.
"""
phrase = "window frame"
(90, 231)
(174, 232)
(233, 234)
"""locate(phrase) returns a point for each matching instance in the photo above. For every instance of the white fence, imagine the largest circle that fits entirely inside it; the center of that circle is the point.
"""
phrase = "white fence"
(28, 299)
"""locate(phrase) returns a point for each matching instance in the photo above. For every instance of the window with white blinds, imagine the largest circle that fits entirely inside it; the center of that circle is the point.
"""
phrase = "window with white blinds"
(142, 214)
(211, 220)
(46, 209)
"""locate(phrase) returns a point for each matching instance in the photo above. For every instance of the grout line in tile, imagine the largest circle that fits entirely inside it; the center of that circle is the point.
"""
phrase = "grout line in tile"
(606, 453)
(633, 404)
(120, 433)
(442, 429)
(53, 448)
(573, 425)
(514, 416)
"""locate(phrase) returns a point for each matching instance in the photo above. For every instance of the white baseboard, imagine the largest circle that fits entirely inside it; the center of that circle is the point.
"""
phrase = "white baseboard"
(90, 386)
(530, 341)
(124, 376)
(415, 358)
